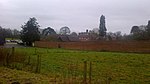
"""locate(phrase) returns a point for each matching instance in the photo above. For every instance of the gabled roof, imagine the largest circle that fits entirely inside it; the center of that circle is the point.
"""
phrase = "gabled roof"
(63, 38)
(68, 38)
(73, 38)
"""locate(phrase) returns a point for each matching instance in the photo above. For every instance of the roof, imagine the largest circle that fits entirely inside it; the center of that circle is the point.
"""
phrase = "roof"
(68, 38)
(73, 38)
(63, 38)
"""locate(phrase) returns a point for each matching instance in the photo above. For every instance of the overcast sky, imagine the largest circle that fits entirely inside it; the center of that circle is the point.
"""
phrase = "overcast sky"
(78, 15)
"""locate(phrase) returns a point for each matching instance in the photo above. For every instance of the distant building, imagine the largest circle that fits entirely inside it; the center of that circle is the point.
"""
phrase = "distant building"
(85, 36)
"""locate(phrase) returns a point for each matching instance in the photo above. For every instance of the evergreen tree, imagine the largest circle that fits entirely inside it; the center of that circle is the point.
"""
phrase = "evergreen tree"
(102, 27)
(135, 30)
(30, 31)
(148, 28)
(48, 31)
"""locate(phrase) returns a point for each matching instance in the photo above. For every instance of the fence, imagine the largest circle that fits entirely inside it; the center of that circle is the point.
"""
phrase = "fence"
(73, 72)
(87, 73)
(80, 72)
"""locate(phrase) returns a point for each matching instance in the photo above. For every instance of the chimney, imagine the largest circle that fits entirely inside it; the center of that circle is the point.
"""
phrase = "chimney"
(87, 31)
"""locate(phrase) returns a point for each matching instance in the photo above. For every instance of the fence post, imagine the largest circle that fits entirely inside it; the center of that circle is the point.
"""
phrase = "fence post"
(7, 60)
(85, 72)
(35, 51)
(108, 80)
(90, 73)
(28, 60)
(69, 73)
(13, 51)
(38, 64)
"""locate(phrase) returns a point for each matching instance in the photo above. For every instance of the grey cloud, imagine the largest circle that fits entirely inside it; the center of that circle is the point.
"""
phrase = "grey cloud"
(79, 15)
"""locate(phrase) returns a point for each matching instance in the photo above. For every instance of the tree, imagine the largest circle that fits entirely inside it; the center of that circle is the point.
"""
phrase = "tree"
(2, 36)
(102, 27)
(48, 31)
(138, 33)
(95, 30)
(16, 33)
(148, 29)
(148, 26)
(30, 31)
(114, 36)
(65, 30)
(118, 35)
(74, 34)
(6, 33)
(134, 30)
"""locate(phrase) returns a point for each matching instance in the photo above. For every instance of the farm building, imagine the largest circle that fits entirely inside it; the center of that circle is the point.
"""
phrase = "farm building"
(85, 36)
(68, 38)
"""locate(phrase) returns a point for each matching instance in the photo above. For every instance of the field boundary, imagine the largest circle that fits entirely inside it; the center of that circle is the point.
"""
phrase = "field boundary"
(113, 46)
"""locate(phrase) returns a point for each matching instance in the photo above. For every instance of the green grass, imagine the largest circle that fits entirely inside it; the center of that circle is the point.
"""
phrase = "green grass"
(11, 39)
(7, 76)
(122, 68)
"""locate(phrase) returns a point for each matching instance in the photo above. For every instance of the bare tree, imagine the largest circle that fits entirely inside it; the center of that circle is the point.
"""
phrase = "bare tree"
(65, 30)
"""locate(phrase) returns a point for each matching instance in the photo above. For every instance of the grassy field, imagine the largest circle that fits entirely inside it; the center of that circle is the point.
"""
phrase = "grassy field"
(7, 76)
(119, 68)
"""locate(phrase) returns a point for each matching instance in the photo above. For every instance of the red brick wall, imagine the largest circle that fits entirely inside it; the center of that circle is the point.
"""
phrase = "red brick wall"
(126, 46)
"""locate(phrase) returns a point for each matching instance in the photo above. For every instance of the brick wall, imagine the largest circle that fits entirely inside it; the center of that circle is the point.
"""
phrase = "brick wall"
(121, 46)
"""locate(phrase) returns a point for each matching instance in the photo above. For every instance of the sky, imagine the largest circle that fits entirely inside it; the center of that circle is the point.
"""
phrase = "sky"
(78, 15)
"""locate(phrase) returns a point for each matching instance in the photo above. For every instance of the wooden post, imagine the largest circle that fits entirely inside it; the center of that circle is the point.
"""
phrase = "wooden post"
(90, 73)
(29, 60)
(7, 60)
(85, 72)
(47, 50)
(13, 51)
(35, 51)
(47, 47)
(68, 73)
(75, 72)
(55, 79)
(38, 64)
(108, 80)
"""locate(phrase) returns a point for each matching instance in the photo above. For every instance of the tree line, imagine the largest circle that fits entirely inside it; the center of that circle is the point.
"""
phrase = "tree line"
(31, 32)
(9, 33)
(140, 32)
